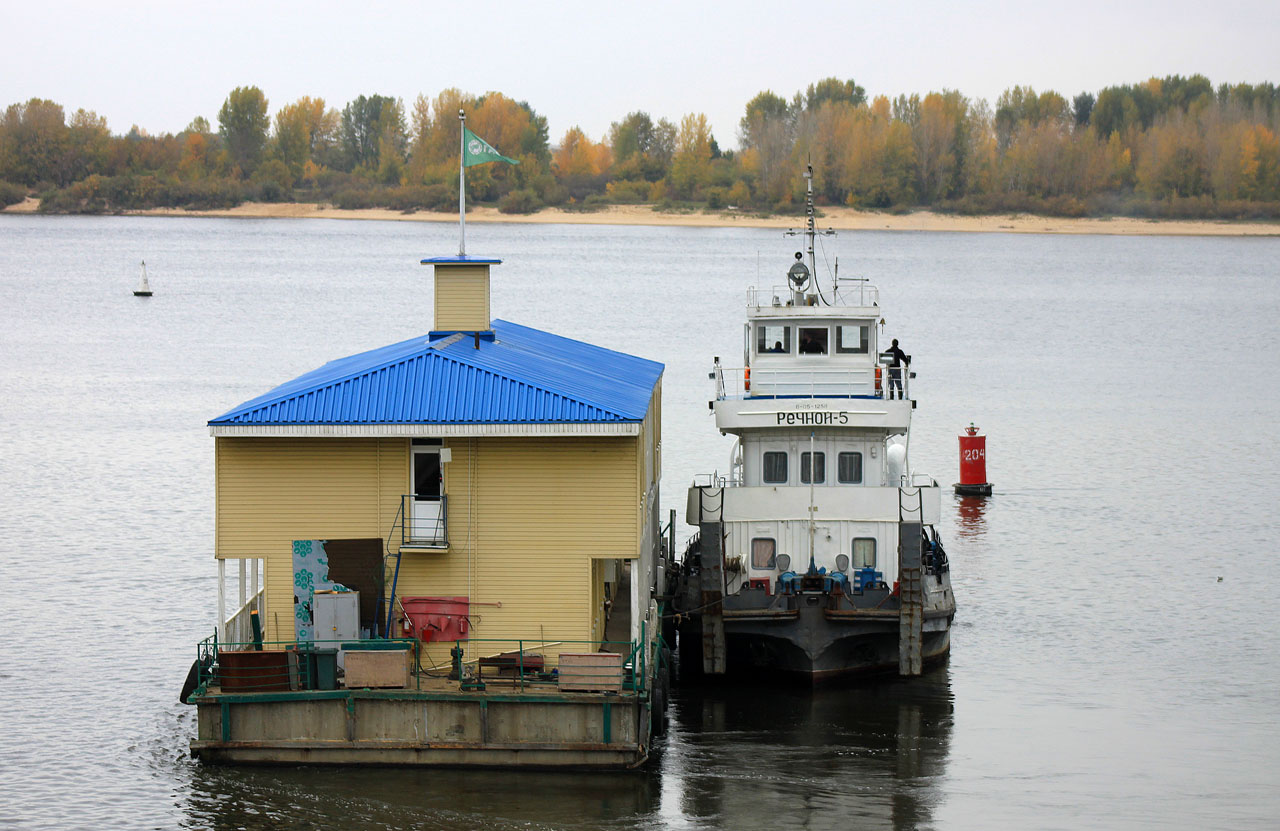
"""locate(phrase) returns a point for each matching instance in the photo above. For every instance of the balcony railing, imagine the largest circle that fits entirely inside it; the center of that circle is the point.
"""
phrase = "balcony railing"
(811, 382)
(851, 293)
(239, 627)
(425, 521)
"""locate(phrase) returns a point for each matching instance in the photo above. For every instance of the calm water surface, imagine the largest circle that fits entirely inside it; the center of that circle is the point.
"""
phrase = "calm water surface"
(1113, 663)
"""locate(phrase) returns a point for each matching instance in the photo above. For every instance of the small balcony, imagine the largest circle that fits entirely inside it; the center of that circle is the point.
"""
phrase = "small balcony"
(425, 521)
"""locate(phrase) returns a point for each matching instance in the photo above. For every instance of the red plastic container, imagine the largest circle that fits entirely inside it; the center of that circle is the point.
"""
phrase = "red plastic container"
(435, 618)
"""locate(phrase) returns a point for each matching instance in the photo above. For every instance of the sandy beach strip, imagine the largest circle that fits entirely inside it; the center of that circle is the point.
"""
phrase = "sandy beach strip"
(839, 218)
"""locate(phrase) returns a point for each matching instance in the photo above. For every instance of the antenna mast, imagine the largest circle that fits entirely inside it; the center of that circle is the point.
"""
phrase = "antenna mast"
(810, 230)
(808, 212)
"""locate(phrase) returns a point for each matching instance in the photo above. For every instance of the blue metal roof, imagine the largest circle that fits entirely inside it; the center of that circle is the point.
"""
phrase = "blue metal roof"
(522, 376)
(460, 259)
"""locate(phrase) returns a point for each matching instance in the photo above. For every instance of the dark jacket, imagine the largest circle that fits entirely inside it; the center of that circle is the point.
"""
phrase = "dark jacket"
(900, 358)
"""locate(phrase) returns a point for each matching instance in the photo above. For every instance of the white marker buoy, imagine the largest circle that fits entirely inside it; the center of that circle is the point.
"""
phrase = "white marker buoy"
(144, 288)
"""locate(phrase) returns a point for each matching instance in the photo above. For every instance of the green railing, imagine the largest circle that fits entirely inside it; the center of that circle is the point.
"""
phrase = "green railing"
(282, 666)
(623, 667)
(568, 665)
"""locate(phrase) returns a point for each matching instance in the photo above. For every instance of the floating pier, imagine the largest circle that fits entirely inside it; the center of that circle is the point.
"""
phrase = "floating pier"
(534, 705)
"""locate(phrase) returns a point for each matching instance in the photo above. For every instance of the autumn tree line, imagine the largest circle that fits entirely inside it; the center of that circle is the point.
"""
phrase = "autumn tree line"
(1167, 147)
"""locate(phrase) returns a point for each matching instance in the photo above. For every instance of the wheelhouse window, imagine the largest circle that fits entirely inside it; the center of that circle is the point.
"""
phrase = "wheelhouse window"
(813, 340)
(773, 339)
(864, 552)
(775, 467)
(813, 465)
(849, 468)
(853, 339)
(763, 551)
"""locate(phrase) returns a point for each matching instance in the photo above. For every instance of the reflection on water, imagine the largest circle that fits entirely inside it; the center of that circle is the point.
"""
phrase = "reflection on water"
(791, 758)
(971, 520)
(229, 799)
(734, 757)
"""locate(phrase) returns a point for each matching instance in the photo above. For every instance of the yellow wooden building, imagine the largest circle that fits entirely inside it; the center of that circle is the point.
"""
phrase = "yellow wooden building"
(485, 461)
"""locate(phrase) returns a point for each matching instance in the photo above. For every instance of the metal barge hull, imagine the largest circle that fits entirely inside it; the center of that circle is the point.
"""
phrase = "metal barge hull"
(806, 646)
(419, 727)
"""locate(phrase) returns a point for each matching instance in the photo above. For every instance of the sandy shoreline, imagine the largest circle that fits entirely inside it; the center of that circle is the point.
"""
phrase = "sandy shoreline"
(847, 219)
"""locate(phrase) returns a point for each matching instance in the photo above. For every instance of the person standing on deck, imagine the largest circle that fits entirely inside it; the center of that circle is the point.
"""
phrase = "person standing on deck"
(900, 359)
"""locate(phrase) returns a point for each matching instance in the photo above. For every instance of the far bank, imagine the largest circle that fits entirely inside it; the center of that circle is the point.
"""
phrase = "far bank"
(840, 218)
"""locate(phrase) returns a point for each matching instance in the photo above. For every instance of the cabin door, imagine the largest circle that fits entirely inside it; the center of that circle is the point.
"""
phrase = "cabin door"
(426, 507)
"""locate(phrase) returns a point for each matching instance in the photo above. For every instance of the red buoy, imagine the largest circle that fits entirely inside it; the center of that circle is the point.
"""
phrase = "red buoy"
(973, 464)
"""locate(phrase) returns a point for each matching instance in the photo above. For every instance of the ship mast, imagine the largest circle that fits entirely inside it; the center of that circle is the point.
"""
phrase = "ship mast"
(810, 230)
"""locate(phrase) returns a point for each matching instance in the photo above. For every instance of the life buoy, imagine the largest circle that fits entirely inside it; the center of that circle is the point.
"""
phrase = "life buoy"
(878, 370)
(746, 379)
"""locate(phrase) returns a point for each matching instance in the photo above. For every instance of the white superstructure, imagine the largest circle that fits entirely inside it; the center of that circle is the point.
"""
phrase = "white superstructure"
(816, 430)
(819, 538)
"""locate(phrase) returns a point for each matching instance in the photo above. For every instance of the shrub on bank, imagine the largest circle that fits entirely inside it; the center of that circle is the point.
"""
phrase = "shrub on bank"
(11, 194)
(519, 202)
(627, 193)
(104, 194)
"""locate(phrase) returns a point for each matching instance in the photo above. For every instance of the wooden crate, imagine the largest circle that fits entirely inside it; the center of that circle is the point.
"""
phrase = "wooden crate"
(385, 668)
(590, 672)
(269, 670)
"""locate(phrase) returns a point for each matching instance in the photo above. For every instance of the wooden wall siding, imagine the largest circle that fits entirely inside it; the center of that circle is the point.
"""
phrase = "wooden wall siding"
(527, 516)
(648, 475)
(462, 298)
(270, 492)
(544, 508)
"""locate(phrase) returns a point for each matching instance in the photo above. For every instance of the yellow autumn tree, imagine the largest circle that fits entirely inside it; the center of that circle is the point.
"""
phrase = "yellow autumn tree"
(691, 164)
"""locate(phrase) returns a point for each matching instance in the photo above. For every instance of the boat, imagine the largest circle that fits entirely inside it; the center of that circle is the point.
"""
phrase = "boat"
(817, 554)
(144, 288)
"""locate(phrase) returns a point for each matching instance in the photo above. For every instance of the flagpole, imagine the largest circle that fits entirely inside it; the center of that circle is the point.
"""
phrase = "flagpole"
(462, 183)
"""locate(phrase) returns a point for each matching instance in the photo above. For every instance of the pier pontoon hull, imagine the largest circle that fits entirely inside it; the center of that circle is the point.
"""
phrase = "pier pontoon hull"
(393, 727)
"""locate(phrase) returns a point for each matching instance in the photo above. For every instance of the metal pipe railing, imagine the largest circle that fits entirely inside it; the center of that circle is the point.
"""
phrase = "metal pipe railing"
(860, 294)
(814, 382)
(290, 666)
(425, 520)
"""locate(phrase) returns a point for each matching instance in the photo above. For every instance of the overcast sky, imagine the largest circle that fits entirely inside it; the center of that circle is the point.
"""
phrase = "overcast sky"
(158, 65)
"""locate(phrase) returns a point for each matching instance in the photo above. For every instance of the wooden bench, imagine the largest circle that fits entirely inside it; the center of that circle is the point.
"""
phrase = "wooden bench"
(516, 663)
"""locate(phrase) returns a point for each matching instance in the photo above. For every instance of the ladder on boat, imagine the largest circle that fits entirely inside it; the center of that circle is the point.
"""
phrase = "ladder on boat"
(911, 598)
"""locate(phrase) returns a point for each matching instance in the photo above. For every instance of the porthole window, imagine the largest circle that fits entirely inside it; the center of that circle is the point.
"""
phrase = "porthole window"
(775, 467)
(763, 550)
(849, 468)
(864, 552)
(815, 463)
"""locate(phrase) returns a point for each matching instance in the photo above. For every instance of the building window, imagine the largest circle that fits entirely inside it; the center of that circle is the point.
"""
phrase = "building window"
(817, 462)
(773, 340)
(864, 552)
(853, 339)
(813, 341)
(775, 467)
(849, 468)
(762, 553)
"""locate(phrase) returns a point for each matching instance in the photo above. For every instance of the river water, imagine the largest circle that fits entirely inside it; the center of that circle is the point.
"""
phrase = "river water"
(1112, 663)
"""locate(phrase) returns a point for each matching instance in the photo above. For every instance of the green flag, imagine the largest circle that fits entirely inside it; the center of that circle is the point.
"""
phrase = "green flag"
(476, 150)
